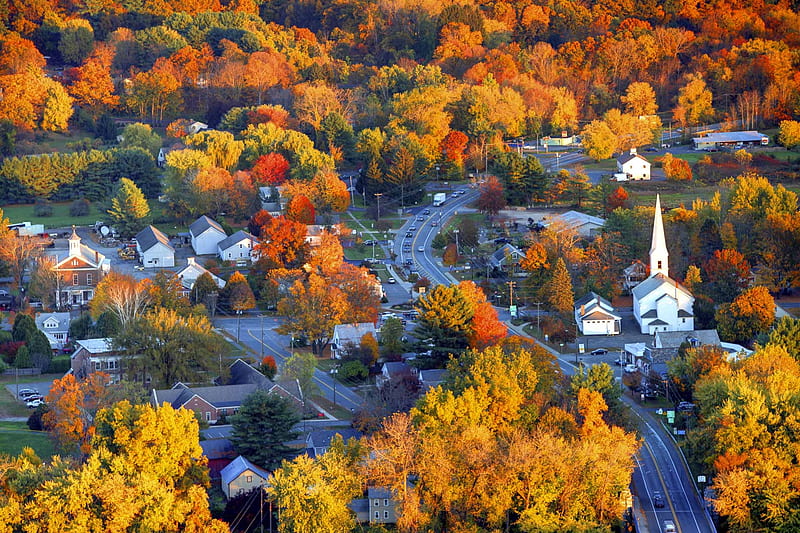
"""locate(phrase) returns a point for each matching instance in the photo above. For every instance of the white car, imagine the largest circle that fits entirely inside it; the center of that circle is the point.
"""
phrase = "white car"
(391, 281)
(32, 404)
(421, 249)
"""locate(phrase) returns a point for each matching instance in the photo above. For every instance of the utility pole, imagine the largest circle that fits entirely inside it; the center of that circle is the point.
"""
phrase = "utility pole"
(378, 196)
(511, 293)
(537, 304)
(262, 336)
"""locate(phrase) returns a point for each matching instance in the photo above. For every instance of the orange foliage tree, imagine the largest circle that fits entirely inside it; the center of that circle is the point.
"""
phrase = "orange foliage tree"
(486, 328)
(300, 209)
(72, 405)
(283, 242)
(92, 85)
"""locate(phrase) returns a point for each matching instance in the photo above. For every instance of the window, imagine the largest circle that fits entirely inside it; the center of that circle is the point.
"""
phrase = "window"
(97, 366)
(208, 416)
(249, 479)
(386, 503)
(61, 335)
(376, 502)
(74, 262)
(386, 515)
(88, 279)
(112, 365)
(74, 279)
(659, 265)
(377, 515)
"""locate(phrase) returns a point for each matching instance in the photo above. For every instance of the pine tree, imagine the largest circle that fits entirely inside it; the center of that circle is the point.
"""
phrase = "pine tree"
(129, 208)
(261, 427)
(559, 294)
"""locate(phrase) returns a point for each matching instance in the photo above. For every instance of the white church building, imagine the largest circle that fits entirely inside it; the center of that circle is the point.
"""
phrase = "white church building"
(659, 302)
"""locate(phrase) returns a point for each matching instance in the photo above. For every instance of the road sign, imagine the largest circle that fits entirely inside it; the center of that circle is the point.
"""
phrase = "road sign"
(581, 348)
(671, 416)
(513, 310)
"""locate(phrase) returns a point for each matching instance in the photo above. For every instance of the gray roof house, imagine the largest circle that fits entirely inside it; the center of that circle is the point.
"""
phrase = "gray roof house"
(215, 402)
(241, 476)
(206, 234)
(318, 441)
(345, 335)
(154, 248)
(238, 247)
(507, 258)
(55, 327)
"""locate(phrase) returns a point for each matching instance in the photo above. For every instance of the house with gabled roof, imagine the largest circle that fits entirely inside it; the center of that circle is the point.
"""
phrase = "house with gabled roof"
(634, 166)
(347, 336)
(595, 316)
(154, 248)
(507, 258)
(205, 234)
(212, 403)
(193, 270)
(96, 355)
(55, 327)
(318, 441)
(581, 223)
(241, 246)
(78, 272)
(241, 476)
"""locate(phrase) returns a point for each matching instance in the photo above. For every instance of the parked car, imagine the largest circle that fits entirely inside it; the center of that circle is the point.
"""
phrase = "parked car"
(24, 394)
(599, 351)
(631, 368)
(391, 281)
(658, 500)
(686, 407)
(33, 404)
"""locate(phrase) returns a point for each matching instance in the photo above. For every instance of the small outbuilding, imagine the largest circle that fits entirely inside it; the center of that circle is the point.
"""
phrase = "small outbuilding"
(241, 476)
(154, 248)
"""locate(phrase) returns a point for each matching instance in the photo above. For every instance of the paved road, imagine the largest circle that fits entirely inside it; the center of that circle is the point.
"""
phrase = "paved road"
(250, 334)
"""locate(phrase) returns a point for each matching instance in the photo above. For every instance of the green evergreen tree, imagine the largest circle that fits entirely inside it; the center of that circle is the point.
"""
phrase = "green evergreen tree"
(107, 325)
(559, 293)
(129, 209)
(262, 426)
(23, 358)
(203, 286)
(444, 323)
(392, 345)
(786, 333)
(24, 328)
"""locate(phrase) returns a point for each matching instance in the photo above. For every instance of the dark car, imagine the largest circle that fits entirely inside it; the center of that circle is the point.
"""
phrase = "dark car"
(426, 212)
(502, 240)
(409, 235)
(686, 407)
(599, 351)
(658, 500)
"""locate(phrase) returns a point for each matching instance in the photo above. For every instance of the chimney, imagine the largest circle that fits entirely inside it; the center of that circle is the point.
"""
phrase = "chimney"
(190, 260)
(96, 256)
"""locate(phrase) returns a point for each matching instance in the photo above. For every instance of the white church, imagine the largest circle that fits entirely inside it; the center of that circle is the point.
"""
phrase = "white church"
(659, 302)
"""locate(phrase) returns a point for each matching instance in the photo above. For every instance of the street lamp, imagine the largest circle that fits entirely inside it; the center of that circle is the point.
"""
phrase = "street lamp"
(456, 232)
(262, 336)
(334, 372)
(437, 173)
(238, 323)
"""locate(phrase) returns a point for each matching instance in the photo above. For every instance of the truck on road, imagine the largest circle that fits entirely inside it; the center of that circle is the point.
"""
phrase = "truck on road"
(439, 198)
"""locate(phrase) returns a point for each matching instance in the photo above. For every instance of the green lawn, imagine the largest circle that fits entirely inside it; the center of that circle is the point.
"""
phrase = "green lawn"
(61, 217)
(15, 435)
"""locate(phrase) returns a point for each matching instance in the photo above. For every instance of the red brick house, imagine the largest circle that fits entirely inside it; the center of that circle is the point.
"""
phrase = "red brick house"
(78, 273)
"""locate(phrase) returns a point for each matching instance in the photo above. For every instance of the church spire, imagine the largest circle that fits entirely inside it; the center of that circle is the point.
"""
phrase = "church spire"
(659, 256)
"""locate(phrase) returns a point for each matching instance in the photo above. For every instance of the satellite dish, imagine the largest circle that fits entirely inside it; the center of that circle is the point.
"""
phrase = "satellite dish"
(105, 230)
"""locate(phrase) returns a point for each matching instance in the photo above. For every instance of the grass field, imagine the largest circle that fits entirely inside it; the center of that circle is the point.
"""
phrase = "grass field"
(61, 217)
(15, 435)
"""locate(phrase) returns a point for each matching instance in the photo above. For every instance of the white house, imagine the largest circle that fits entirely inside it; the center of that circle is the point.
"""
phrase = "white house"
(238, 247)
(345, 335)
(206, 234)
(189, 274)
(55, 327)
(196, 127)
(634, 166)
(241, 476)
(595, 316)
(659, 302)
(581, 223)
(154, 248)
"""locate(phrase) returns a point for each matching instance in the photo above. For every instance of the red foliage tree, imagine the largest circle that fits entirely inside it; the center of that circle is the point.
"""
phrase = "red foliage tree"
(486, 329)
(453, 146)
(259, 219)
(492, 198)
(618, 198)
(300, 209)
(270, 169)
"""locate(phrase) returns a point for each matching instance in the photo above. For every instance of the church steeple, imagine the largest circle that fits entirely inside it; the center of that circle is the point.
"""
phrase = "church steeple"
(74, 243)
(659, 256)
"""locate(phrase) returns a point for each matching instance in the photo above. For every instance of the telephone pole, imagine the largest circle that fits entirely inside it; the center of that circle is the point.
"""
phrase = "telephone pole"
(511, 293)
(537, 304)
(378, 196)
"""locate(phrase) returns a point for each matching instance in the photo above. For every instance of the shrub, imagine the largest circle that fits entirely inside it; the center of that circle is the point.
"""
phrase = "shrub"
(79, 208)
(43, 209)
(353, 371)
(59, 365)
